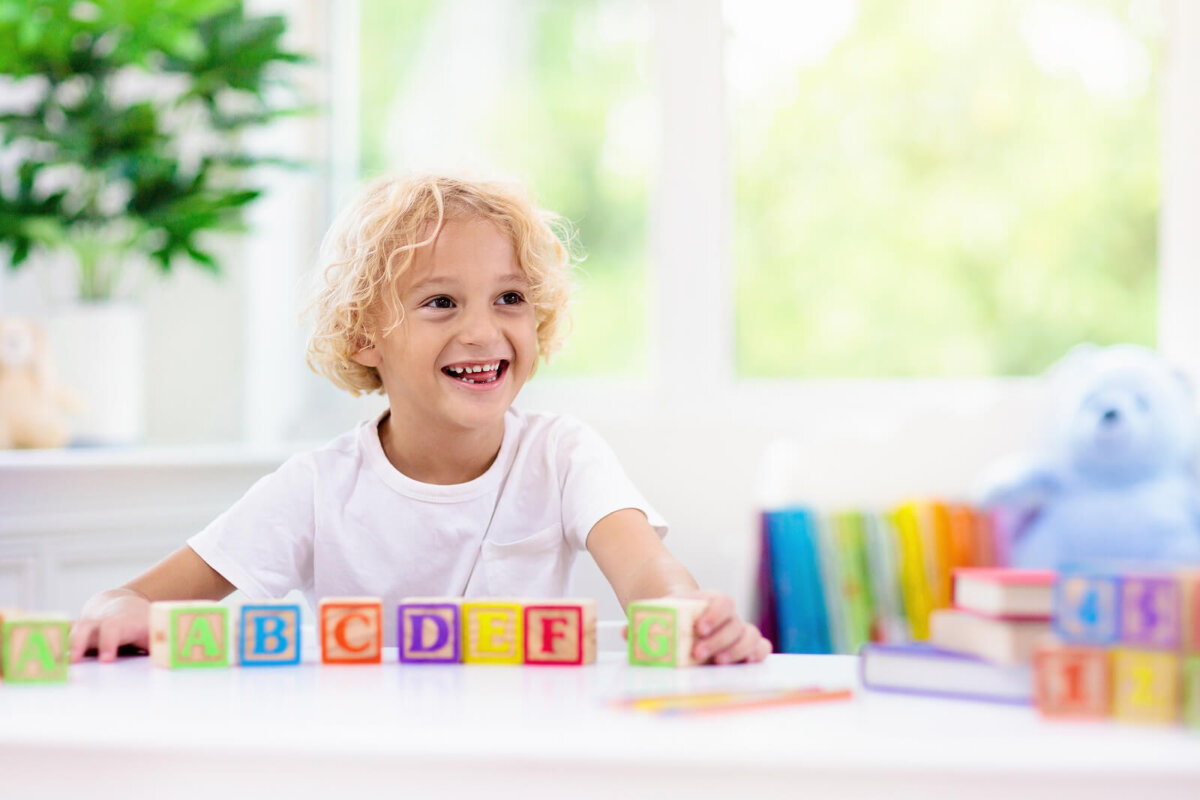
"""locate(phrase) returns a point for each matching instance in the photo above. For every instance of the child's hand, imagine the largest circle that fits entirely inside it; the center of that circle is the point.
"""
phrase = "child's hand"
(721, 637)
(109, 620)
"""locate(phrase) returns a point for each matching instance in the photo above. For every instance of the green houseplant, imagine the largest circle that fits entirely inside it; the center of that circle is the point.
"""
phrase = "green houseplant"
(122, 127)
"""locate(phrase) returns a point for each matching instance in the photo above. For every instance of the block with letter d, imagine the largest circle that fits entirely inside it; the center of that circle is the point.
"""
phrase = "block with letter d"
(1073, 681)
(429, 630)
(34, 649)
(269, 634)
(493, 632)
(560, 632)
(661, 631)
(1087, 608)
(189, 634)
(351, 630)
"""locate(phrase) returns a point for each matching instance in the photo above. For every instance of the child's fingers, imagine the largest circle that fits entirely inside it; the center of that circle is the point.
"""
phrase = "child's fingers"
(110, 640)
(719, 611)
(718, 641)
(81, 638)
(744, 649)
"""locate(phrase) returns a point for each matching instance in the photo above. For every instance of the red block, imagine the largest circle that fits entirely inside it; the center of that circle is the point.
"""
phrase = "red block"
(1073, 681)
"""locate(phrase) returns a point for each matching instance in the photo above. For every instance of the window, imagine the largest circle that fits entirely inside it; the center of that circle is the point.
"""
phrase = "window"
(933, 188)
(554, 94)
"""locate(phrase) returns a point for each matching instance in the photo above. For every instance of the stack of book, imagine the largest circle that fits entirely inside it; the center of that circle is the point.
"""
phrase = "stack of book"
(982, 648)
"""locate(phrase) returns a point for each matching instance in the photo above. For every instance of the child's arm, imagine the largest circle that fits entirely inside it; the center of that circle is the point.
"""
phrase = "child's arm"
(639, 567)
(122, 616)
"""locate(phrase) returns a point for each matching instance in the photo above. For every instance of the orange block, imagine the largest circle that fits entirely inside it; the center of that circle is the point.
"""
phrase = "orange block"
(1072, 681)
(351, 630)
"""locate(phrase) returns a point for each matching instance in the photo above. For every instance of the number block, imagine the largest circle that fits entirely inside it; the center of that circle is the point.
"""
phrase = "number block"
(493, 632)
(661, 632)
(1072, 681)
(1151, 609)
(1191, 691)
(1145, 686)
(1189, 587)
(1087, 609)
(351, 630)
(560, 632)
(188, 634)
(34, 649)
(429, 630)
(269, 634)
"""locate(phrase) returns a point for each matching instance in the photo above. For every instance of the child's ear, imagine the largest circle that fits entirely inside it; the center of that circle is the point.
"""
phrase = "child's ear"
(367, 355)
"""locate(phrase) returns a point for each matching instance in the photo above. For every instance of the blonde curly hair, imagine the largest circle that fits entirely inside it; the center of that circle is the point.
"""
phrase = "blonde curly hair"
(374, 242)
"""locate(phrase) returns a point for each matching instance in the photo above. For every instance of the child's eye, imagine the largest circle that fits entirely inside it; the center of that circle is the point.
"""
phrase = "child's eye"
(440, 302)
(510, 299)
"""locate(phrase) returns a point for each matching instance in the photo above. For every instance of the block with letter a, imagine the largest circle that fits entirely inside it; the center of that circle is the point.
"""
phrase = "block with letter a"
(429, 630)
(351, 630)
(661, 631)
(560, 632)
(269, 634)
(493, 632)
(33, 649)
(189, 634)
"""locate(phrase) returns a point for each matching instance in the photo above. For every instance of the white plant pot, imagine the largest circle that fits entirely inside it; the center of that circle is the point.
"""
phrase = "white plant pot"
(98, 350)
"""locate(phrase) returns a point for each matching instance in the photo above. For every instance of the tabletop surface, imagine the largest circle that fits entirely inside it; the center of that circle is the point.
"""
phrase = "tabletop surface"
(557, 716)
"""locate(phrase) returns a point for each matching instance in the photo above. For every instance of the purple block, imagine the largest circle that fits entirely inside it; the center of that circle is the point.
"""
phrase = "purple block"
(1151, 612)
(429, 632)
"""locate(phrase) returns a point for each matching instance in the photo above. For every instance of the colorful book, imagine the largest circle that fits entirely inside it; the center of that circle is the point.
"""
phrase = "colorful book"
(800, 602)
(914, 582)
(922, 669)
(998, 640)
(882, 564)
(941, 553)
(1007, 593)
(854, 580)
(829, 561)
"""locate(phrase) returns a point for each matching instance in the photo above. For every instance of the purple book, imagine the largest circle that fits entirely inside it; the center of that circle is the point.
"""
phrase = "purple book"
(926, 670)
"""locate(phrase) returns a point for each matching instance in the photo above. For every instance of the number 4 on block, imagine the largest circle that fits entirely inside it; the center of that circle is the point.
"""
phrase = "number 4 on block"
(187, 634)
(34, 649)
(660, 631)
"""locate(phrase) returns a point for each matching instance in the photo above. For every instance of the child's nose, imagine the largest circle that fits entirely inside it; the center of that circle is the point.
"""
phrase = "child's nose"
(480, 327)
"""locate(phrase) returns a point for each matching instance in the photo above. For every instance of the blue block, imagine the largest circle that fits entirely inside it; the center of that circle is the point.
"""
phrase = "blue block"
(1087, 608)
(269, 635)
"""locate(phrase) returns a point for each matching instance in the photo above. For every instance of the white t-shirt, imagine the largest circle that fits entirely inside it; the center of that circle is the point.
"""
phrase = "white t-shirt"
(342, 521)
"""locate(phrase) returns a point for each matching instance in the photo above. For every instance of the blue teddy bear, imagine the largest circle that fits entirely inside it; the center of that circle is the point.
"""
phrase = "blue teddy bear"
(1117, 480)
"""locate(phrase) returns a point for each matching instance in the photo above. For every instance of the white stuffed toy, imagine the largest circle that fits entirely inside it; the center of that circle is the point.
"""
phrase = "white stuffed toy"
(32, 408)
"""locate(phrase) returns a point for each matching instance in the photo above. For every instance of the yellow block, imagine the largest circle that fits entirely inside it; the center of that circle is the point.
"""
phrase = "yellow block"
(1146, 686)
(493, 632)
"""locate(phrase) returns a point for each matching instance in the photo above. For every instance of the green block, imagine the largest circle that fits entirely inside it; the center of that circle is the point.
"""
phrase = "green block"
(199, 636)
(35, 650)
(653, 635)
(1191, 691)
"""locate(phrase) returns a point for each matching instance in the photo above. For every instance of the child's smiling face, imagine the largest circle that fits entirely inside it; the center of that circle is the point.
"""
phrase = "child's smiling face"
(468, 341)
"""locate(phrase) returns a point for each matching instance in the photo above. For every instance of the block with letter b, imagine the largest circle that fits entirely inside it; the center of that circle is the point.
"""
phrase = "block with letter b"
(560, 632)
(1145, 686)
(493, 632)
(189, 634)
(351, 630)
(1151, 612)
(1087, 608)
(429, 630)
(34, 649)
(269, 634)
(661, 631)
(1072, 681)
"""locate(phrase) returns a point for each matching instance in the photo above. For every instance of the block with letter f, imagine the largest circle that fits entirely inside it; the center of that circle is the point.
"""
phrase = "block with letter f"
(560, 632)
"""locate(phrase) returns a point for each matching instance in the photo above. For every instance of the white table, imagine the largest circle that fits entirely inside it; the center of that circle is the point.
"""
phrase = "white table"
(129, 729)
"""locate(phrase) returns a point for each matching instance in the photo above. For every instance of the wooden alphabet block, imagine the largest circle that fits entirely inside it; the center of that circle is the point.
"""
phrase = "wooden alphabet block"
(1191, 691)
(269, 634)
(429, 630)
(1145, 686)
(34, 649)
(1189, 585)
(1073, 681)
(189, 634)
(560, 632)
(1151, 610)
(1087, 609)
(661, 632)
(493, 632)
(351, 630)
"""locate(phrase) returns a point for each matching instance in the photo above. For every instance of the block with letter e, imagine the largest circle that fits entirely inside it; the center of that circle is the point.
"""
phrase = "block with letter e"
(1087, 608)
(429, 630)
(1145, 686)
(189, 634)
(1072, 681)
(269, 634)
(661, 631)
(34, 649)
(560, 632)
(351, 630)
(493, 632)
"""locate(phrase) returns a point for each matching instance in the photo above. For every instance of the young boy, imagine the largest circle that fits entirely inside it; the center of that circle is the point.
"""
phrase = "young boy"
(442, 294)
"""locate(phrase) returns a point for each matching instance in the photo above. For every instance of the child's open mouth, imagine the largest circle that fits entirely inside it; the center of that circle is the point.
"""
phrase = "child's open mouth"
(477, 372)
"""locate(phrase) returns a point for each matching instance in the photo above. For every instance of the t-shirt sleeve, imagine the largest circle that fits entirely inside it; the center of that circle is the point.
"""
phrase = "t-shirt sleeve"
(263, 544)
(594, 484)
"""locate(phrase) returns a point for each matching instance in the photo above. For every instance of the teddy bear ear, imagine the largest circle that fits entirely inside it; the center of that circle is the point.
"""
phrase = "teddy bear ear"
(1074, 366)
